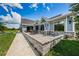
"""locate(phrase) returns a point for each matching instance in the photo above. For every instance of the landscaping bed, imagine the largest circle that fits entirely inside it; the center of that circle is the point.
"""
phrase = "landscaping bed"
(6, 39)
(65, 48)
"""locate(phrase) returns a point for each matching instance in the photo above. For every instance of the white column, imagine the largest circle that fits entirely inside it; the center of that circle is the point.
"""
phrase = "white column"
(74, 28)
(39, 28)
(65, 24)
(53, 27)
(73, 25)
(44, 27)
(48, 27)
(26, 28)
(33, 27)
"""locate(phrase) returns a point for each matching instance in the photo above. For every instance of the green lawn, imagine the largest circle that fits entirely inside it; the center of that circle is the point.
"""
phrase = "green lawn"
(6, 39)
(65, 48)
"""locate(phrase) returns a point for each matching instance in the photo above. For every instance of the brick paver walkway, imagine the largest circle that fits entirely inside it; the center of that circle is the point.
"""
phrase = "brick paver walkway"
(20, 47)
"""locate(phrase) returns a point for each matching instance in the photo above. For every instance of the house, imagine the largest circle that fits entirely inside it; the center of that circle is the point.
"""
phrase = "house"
(49, 25)
(43, 43)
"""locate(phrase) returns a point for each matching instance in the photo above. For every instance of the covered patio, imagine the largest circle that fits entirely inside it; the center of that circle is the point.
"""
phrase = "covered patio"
(49, 27)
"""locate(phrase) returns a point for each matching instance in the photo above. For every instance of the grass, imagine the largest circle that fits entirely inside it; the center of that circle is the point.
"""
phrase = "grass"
(6, 39)
(65, 48)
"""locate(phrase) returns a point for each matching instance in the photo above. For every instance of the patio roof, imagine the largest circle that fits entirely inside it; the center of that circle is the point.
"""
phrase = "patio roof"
(60, 17)
(55, 19)
(27, 22)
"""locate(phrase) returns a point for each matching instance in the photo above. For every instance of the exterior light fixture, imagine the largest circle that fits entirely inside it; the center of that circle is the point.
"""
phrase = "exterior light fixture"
(70, 21)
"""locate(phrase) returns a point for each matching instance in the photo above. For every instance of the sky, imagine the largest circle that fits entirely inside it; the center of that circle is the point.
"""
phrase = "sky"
(13, 13)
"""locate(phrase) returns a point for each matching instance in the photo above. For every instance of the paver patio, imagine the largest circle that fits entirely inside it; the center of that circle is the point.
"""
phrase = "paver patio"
(20, 47)
(42, 43)
(43, 39)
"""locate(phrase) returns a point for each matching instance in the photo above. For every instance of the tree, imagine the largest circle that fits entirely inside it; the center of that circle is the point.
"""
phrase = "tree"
(77, 26)
(13, 29)
(77, 19)
(2, 27)
(75, 8)
(77, 23)
(43, 20)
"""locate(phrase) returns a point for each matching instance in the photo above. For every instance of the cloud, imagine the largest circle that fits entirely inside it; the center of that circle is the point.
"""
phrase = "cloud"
(34, 5)
(16, 17)
(6, 18)
(48, 8)
(44, 5)
(17, 5)
(2, 5)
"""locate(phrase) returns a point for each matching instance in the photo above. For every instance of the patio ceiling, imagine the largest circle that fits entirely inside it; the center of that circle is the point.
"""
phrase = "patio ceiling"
(58, 19)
